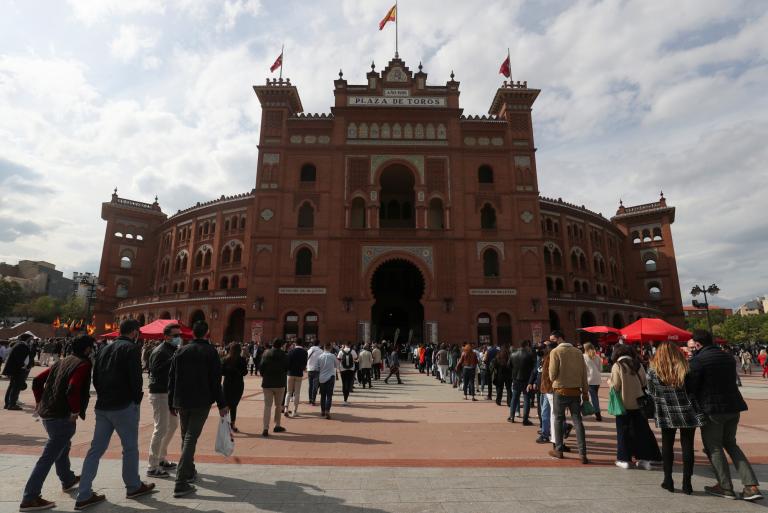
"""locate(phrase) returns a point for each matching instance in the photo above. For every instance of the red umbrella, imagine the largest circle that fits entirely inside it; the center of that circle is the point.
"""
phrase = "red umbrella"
(154, 330)
(602, 330)
(110, 335)
(654, 330)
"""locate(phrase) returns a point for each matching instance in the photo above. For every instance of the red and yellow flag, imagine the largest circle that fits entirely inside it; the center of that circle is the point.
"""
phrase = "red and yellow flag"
(391, 16)
(278, 63)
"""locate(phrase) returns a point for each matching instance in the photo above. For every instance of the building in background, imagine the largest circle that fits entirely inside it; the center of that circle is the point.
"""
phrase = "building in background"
(38, 278)
(393, 216)
(755, 307)
(699, 312)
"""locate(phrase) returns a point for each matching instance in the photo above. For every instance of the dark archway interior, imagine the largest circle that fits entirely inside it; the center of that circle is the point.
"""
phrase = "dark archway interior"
(235, 330)
(397, 198)
(398, 287)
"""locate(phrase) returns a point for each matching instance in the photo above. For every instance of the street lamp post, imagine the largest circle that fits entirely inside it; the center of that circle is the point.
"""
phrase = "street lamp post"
(90, 297)
(711, 290)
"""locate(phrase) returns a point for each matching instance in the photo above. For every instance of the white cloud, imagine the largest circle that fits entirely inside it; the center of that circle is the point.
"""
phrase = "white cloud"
(93, 11)
(233, 9)
(131, 40)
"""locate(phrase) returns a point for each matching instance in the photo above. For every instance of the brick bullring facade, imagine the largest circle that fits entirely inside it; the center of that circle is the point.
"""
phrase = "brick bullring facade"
(394, 215)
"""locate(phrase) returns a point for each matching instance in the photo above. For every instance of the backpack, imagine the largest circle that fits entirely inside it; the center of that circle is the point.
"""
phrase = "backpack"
(346, 360)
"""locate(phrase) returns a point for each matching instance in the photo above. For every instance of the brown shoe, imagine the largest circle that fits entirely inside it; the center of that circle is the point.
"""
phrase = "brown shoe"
(751, 493)
(94, 499)
(144, 489)
(71, 486)
(556, 454)
(36, 504)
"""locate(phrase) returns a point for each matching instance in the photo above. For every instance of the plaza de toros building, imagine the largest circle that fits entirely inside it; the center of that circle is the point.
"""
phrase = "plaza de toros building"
(395, 213)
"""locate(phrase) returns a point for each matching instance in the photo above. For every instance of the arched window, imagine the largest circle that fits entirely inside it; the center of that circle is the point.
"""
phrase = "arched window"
(235, 284)
(199, 260)
(647, 236)
(557, 258)
(213, 227)
(574, 260)
(393, 210)
(550, 285)
(654, 290)
(237, 255)
(204, 284)
(122, 290)
(207, 260)
(357, 213)
(547, 257)
(196, 285)
(585, 287)
(657, 233)
(125, 262)
(206, 228)
(577, 286)
(175, 287)
(548, 224)
(224, 282)
(226, 225)
(406, 211)
(308, 173)
(119, 235)
(650, 265)
(487, 217)
(304, 262)
(490, 263)
(485, 174)
(436, 214)
(582, 262)
(559, 285)
(226, 255)
(242, 223)
(306, 216)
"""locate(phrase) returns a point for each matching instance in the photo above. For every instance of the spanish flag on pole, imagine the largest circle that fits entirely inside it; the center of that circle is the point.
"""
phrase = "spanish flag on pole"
(391, 16)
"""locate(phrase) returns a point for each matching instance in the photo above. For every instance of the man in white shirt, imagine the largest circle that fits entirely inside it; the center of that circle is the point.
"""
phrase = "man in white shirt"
(313, 357)
(377, 361)
(365, 361)
(347, 359)
(328, 373)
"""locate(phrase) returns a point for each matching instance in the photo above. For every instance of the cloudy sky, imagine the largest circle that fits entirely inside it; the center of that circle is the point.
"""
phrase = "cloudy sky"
(154, 97)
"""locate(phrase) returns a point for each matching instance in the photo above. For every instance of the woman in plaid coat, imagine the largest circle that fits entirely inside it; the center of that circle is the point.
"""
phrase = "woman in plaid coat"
(674, 410)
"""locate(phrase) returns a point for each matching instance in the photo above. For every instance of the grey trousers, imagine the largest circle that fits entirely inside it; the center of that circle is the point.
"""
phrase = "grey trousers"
(192, 422)
(719, 436)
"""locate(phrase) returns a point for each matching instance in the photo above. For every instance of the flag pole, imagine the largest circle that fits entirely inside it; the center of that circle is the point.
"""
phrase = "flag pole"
(510, 66)
(397, 19)
(282, 60)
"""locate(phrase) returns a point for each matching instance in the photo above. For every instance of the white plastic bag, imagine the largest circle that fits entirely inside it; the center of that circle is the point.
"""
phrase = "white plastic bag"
(225, 443)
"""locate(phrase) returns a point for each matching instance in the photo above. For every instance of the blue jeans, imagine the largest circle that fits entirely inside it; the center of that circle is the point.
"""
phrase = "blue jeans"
(519, 387)
(326, 395)
(546, 419)
(594, 398)
(126, 423)
(56, 451)
(314, 385)
(469, 380)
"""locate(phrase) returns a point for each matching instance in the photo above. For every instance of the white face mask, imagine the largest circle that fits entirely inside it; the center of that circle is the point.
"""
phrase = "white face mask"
(175, 341)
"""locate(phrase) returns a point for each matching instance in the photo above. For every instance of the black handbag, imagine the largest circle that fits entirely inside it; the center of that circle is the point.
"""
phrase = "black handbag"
(646, 405)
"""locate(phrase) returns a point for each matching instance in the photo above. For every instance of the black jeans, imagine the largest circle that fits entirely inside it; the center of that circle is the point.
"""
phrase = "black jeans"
(377, 371)
(500, 386)
(314, 385)
(469, 381)
(365, 377)
(347, 378)
(326, 395)
(572, 403)
(635, 438)
(191, 422)
(668, 452)
(14, 388)
(520, 387)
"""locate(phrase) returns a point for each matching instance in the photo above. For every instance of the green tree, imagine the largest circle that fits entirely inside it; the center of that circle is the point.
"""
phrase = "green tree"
(11, 294)
(73, 309)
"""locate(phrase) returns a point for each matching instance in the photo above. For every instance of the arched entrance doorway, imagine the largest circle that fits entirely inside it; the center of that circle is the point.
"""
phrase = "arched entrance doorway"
(235, 330)
(197, 315)
(397, 314)
(397, 198)
(291, 327)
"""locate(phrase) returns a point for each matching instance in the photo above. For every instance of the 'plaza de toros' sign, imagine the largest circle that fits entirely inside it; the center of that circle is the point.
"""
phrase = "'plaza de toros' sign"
(396, 101)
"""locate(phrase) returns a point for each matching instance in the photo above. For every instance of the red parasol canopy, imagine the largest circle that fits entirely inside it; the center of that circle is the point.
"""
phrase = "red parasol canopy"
(601, 330)
(110, 335)
(654, 330)
(154, 330)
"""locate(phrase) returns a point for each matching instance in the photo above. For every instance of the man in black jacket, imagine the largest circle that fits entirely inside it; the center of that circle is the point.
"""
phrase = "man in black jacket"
(194, 384)
(20, 360)
(165, 423)
(118, 382)
(274, 371)
(522, 363)
(712, 385)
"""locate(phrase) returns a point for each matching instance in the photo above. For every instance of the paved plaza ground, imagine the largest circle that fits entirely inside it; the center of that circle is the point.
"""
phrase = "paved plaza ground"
(396, 448)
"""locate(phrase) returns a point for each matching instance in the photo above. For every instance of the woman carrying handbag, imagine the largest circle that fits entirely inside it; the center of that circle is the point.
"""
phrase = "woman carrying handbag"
(674, 410)
(633, 434)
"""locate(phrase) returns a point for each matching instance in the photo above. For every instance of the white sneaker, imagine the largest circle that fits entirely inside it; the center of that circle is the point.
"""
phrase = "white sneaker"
(623, 464)
(644, 465)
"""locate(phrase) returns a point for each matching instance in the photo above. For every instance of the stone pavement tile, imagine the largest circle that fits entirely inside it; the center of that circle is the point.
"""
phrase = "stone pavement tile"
(402, 507)
(466, 506)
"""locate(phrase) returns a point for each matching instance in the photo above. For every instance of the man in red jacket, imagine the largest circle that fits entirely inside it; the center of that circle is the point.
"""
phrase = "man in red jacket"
(61, 393)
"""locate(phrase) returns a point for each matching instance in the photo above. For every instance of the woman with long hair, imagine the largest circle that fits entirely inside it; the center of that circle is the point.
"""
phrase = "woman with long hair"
(468, 364)
(666, 384)
(594, 378)
(633, 434)
(233, 367)
(502, 374)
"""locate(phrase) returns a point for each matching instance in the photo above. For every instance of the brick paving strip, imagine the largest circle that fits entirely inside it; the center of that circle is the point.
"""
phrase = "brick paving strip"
(415, 447)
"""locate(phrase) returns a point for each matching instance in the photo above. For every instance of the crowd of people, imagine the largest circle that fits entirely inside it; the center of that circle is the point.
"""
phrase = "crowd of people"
(682, 389)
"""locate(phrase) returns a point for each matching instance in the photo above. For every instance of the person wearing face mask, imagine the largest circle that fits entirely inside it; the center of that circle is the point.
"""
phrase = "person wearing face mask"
(165, 423)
